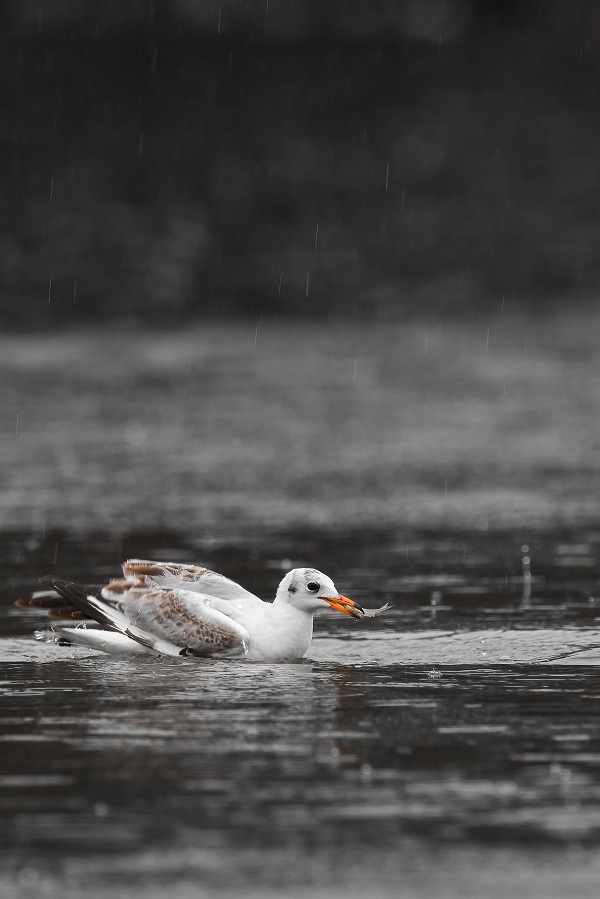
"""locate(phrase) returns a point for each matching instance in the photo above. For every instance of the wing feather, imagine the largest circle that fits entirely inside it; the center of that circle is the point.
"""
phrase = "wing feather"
(167, 621)
(164, 607)
(91, 604)
(186, 619)
(191, 578)
(51, 602)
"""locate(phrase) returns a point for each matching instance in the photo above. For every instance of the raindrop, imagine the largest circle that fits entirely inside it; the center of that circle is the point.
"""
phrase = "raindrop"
(434, 601)
(526, 562)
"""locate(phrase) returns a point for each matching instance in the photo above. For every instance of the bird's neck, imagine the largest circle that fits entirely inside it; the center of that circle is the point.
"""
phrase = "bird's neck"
(288, 628)
(285, 611)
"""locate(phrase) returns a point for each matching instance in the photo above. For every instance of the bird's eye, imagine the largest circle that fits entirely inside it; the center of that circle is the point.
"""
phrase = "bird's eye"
(312, 586)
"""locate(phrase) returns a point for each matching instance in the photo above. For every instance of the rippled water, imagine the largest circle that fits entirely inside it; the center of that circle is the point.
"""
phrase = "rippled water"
(450, 748)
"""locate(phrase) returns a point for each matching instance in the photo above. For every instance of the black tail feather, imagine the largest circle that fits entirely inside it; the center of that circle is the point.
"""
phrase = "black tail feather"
(77, 597)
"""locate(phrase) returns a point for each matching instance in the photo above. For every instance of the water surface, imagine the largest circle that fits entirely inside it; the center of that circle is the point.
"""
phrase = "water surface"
(450, 748)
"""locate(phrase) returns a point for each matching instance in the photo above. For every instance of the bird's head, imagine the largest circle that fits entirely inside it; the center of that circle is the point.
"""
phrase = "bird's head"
(310, 590)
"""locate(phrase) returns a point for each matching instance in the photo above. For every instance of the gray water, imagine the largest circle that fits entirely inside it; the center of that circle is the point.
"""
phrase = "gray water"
(449, 748)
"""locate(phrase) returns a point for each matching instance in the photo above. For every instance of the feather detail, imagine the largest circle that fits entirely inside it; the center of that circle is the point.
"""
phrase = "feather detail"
(52, 603)
(100, 640)
(91, 604)
(192, 578)
(167, 621)
(187, 619)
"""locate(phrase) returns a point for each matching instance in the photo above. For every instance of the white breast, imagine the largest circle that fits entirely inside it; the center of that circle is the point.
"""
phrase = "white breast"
(283, 634)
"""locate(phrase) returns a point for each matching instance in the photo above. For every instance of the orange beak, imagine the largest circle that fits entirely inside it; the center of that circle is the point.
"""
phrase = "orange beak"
(345, 605)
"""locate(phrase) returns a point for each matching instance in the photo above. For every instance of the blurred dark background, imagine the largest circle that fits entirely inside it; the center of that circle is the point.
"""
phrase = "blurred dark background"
(173, 159)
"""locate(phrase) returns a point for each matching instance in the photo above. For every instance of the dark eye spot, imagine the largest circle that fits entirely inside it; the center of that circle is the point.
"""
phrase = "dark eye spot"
(312, 586)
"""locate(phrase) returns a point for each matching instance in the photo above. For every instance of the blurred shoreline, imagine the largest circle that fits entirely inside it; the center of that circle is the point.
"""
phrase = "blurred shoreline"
(475, 424)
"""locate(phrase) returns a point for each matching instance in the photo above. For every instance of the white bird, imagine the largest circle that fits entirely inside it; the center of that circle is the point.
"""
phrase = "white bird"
(186, 610)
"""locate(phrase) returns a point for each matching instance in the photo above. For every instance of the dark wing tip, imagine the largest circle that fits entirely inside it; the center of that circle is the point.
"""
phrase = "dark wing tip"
(50, 580)
(54, 606)
(77, 597)
(25, 602)
(51, 601)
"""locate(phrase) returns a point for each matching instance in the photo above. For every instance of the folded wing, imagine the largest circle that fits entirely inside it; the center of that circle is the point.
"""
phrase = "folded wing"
(169, 621)
(187, 619)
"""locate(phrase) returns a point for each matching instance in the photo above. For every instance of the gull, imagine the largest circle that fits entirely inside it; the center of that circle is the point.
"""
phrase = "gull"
(173, 609)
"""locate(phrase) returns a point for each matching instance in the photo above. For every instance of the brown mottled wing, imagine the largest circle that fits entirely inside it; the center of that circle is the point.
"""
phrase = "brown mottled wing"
(185, 619)
(191, 578)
